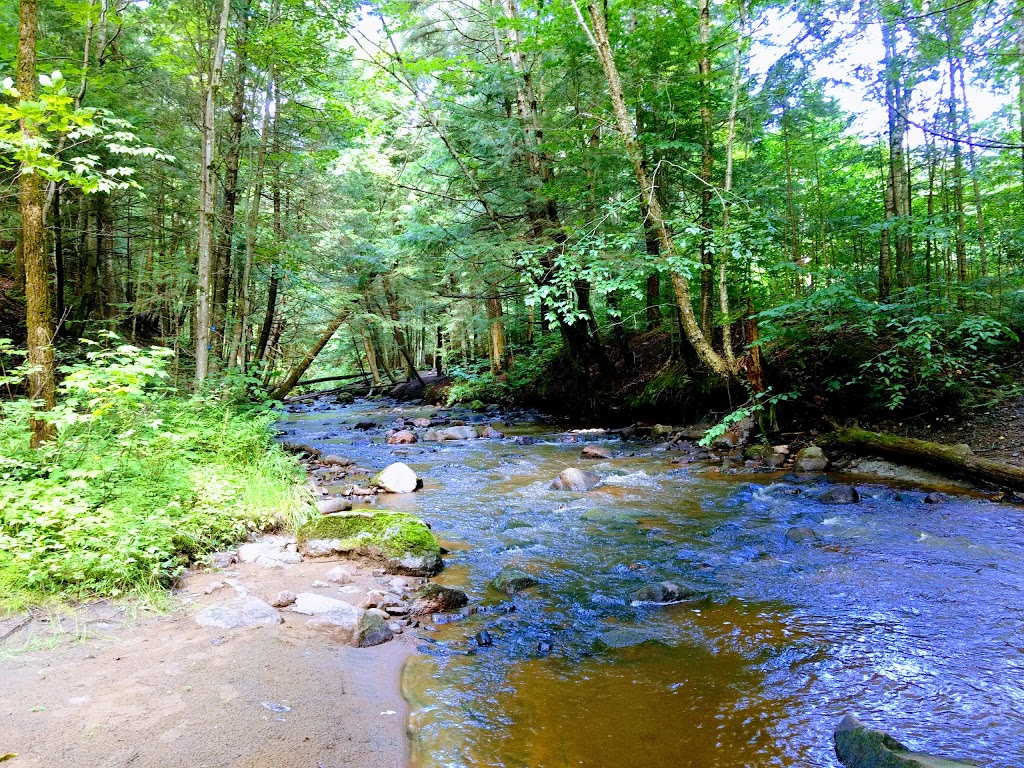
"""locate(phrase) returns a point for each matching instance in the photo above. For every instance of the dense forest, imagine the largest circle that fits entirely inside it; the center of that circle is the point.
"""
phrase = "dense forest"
(501, 190)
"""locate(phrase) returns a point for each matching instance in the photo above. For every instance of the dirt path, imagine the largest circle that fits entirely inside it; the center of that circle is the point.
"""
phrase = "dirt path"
(160, 691)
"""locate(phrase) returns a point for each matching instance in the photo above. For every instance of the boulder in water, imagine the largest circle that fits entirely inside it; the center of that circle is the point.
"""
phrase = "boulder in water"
(492, 433)
(573, 479)
(811, 459)
(595, 452)
(402, 437)
(336, 461)
(800, 534)
(841, 494)
(664, 592)
(332, 504)
(437, 598)
(512, 580)
(861, 747)
(457, 433)
(421, 423)
(396, 478)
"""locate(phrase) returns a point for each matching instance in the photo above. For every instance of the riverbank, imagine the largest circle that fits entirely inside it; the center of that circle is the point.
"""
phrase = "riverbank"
(113, 685)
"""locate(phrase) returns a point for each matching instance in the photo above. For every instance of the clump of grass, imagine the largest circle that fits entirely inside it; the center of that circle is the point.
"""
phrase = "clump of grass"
(140, 482)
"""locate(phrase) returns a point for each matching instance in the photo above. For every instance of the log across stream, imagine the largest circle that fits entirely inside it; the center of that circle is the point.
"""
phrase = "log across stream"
(906, 614)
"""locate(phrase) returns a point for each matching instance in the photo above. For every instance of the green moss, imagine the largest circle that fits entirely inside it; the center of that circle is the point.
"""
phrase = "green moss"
(395, 533)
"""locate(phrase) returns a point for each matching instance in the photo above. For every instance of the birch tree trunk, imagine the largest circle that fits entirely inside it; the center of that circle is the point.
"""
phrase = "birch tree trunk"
(208, 199)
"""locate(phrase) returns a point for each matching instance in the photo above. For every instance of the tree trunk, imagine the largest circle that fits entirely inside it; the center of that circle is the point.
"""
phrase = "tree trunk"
(707, 160)
(222, 265)
(923, 453)
(41, 387)
(497, 335)
(293, 376)
(602, 46)
(207, 199)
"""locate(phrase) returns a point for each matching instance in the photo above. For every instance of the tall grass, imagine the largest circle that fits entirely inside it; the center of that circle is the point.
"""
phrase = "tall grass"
(140, 482)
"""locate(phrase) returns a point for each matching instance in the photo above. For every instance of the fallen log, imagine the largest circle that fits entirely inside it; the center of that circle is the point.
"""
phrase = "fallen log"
(952, 460)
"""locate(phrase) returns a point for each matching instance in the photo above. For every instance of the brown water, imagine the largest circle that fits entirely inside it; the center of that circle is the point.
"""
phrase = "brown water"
(905, 614)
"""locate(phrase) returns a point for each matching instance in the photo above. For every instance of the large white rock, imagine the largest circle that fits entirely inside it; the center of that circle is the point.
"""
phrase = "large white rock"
(237, 613)
(313, 604)
(396, 478)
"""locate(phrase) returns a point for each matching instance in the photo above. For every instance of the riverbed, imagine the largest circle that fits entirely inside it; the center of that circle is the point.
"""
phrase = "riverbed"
(908, 615)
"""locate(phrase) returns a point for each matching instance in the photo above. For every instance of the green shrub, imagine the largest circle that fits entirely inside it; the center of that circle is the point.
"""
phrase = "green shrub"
(140, 481)
(914, 350)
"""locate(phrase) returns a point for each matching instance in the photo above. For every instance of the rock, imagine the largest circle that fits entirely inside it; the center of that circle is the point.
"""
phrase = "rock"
(609, 517)
(366, 425)
(421, 423)
(767, 455)
(841, 494)
(336, 461)
(310, 604)
(512, 580)
(800, 534)
(811, 459)
(402, 437)
(935, 498)
(431, 436)
(437, 598)
(665, 592)
(396, 478)
(892, 471)
(339, 575)
(457, 433)
(250, 553)
(491, 433)
(401, 543)
(332, 504)
(352, 626)
(524, 440)
(398, 584)
(662, 432)
(573, 479)
(478, 406)
(344, 398)
(283, 599)
(483, 638)
(625, 637)
(237, 613)
(595, 452)
(860, 747)
(301, 448)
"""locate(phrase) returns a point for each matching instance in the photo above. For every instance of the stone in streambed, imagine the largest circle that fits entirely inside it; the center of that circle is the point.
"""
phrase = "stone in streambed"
(402, 437)
(860, 747)
(437, 598)
(573, 479)
(811, 459)
(237, 613)
(283, 599)
(595, 452)
(396, 478)
(800, 534)
(841, 494)
(401, 543)
(624, 637)
(457, 433)
(336, 461)
(512, 580)
(331, 505)
(664, 592)
(352, 626)
(609, 517)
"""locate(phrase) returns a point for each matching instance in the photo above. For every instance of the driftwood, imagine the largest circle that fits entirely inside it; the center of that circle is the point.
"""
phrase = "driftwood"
(948, 459)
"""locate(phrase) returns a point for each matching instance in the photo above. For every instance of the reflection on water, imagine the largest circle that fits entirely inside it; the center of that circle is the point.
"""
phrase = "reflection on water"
(906, 614)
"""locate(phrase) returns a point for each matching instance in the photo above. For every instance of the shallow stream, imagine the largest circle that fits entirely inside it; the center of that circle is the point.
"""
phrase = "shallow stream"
(909, 615)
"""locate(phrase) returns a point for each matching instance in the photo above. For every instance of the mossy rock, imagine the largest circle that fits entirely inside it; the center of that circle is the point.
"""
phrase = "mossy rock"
(399, 542)
(860, 747)
(512, 580)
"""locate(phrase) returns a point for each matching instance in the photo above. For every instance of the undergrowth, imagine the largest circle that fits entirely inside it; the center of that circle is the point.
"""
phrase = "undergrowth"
(140, 481)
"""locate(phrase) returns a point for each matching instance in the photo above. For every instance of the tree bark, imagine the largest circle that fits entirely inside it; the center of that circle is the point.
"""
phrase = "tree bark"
(923, 453)
(707, 164)
(41, 385)
(293, 376)
(207, 199)
(602, 47)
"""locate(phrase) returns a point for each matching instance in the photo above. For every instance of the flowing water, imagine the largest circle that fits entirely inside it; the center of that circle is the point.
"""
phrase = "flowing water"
(907, 614)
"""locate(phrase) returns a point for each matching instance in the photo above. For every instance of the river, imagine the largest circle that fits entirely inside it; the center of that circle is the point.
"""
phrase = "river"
(908, 615)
